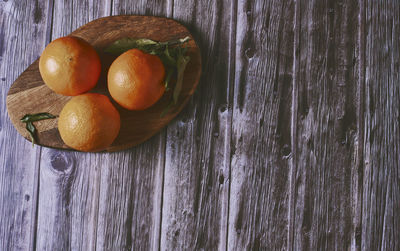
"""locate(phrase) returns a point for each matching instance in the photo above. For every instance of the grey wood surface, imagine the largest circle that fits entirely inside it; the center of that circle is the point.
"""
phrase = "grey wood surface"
(290, 142)
(260, 162)
(195, 197)
(19, 161)
(325, 124)
(381, 177)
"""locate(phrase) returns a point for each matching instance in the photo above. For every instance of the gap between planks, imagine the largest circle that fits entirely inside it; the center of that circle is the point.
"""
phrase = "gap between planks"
(293, 125)
(231, 91)
(49, 31)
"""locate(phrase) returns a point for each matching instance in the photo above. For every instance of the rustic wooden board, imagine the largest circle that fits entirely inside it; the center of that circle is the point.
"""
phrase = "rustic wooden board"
(196, 186)
(381, 176)
(325, 125)
(261, 142)
(29, 94)
(20, 21)
(68, 201)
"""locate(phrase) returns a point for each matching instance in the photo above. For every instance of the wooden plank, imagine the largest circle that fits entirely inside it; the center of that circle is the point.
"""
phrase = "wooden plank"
(358, 165)
(143, 7)
(68, 200)
(381, 190)
(325, 125)
(132, 181)
(260, 164)
(196, 186)
(23, 35)
(130, 199)
(70, 182)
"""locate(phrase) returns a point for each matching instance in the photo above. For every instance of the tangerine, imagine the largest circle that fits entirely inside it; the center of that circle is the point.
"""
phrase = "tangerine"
(70, 66)
(135, 79)
(89, 122)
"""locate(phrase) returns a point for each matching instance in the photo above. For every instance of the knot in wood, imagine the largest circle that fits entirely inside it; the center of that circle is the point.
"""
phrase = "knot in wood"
(61, 162)
(249, 52)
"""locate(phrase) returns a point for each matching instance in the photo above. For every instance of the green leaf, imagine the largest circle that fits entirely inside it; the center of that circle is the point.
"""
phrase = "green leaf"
(144, 44)
(167, 59)
(166, 110)
(32, 131)
(170, 71)
(30, 118)
(37, 117)
(178, 41)
(125, 44)
(181, 66)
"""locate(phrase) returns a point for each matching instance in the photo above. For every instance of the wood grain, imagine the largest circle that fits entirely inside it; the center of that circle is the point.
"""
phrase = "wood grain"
(136, 126)
(196, 187)
(381, 178)
(325, 124)
(130, 198)
(23, 34)
(261, 126)
(68, 200)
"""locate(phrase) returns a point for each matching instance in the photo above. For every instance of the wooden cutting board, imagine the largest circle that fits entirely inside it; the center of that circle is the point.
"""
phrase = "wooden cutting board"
(29, 94)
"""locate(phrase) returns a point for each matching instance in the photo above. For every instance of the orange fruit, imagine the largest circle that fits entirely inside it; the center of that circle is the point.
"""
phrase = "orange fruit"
(135, 79)
(69, 66)
(89, 122)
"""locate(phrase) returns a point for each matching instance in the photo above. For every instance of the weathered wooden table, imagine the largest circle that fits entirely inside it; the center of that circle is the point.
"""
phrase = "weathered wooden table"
(291, 141)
